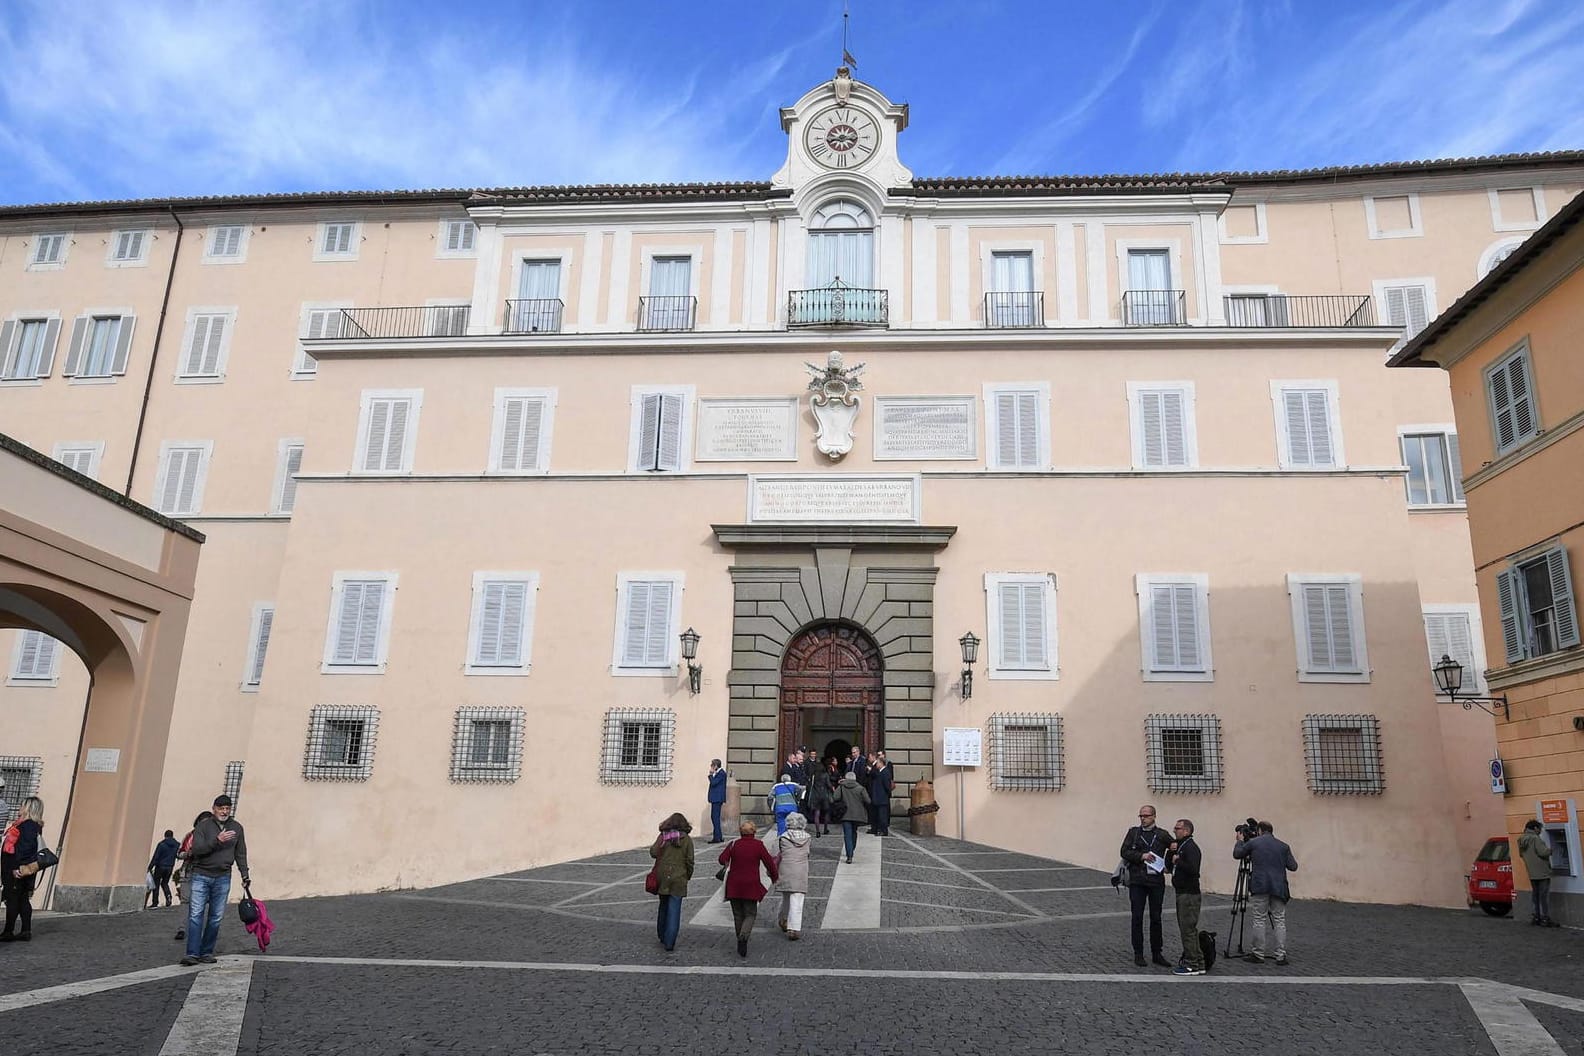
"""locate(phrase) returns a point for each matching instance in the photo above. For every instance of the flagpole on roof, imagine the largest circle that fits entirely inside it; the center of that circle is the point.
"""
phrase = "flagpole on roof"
(847, 59)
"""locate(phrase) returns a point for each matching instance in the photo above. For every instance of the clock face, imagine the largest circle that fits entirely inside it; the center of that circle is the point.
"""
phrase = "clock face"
(841, 137)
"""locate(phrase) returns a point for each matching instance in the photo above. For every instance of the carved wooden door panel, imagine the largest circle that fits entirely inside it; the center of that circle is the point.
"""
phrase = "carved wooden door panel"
(831, 666)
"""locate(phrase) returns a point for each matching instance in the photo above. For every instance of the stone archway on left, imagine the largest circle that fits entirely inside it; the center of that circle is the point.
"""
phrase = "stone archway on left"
(113, 582)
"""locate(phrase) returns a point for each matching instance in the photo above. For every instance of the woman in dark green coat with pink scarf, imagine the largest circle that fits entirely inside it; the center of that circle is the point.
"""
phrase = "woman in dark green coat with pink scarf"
(673, 855)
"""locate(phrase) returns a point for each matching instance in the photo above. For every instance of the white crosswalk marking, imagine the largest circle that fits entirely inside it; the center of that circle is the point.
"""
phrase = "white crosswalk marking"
(210, 1021)
(855, 894)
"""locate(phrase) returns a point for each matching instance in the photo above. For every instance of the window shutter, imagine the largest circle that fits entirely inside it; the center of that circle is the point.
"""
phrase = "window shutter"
(27, 657)
(1517, 379)
(1319, 428)
(1022, 625)
(1417, 308)
(8, 331)
(1507, 594)
(1163, 427)
(1174, 619)
(1567, 627)
(386, 442)
(521, 418)
(649, 431)
(501, 625)
(288, 486)
(188, 489)
(1455, 467)
(1308, 424)
(46, 359)
(1449, 634)
(1329, 627)
(1152, 427)
(180, 484)
(123, 347)
(346, 640)
(75, 349)
(669, 455)
(79, 459)
(260, 644)
(648, 618)
(1017, 430)
(203, 349)
(368, 623)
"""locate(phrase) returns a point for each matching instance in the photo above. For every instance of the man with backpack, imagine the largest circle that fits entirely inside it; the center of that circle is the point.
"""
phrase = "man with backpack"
(1182, 861)
(217, 844)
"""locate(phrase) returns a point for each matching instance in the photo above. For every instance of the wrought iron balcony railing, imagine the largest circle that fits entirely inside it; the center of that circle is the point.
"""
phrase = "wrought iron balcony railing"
(1280, 309)
(1155, 308)
(667, 313)
(838, 305)
(534, 315)
(1014, 309)
(436, 320)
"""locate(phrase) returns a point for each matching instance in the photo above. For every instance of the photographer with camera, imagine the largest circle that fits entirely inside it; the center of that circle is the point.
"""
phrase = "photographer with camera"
(1144, 850)
(1270, 861)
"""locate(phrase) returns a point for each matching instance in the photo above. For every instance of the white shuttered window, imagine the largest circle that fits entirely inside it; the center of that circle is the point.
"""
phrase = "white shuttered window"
(83, 457)
(1174, 627)
(207, 340)
(1021, 620)
(648, 611)
(99, 345)
(520, 439)
(1328, 623)
(661, 429)
(1308, 434)
(1164, 436)
(258, 645)
(288, 463)
(1407, 306)
(36, 659)
(360, 615)
(388, 430)
(179, 486)
(27, 348)
(1017, 426)
(502, 625)
(1454, 631)
(337, 241)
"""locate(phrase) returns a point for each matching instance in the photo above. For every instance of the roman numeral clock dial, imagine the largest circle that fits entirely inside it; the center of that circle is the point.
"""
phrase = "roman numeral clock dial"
(841, 137)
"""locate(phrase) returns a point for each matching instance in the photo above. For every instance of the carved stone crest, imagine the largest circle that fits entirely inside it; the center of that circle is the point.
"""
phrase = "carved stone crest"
(834, 404)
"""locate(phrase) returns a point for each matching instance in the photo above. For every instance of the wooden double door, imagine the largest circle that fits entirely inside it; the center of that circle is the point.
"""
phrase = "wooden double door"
(832, 693)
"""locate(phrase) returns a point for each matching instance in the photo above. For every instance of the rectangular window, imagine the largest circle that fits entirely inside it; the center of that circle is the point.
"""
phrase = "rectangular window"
(1174, 627)
(1328, 623)
(100, 344)
(1017, 426)
(1021, 619)
(233, 783)
(258, 645)
(457, 238)
(638, 746)
(319, 322)
(1308, 432)
(520, 437)
(337, 241)
(36, 659)
(360, 620)
(340, 743)
(1164, 436)
(206, 342)
(49, 251)
(128, 248)
(1256, 309)
(1342, 754)
(1183, 753)
(648, 611)
(1510, 392)
(669, 305)
(487, 745)
(288, 463)
(1011, 302)
(1539, 613)
(225, 243)
(388, 430)
(1026, 753)
(447, 320)
(183, 469)
(27, 348)
(1435, 472)
(661, 429)
(1454, 632)
(22, 775)
(82, 457)
(537, 308)
(501, 630)
(1150, 299)
(1407, 306)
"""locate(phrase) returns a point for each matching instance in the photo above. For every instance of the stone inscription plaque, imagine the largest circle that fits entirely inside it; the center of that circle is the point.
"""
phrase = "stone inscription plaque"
(748, 429)
(926, 427)
(834, 498)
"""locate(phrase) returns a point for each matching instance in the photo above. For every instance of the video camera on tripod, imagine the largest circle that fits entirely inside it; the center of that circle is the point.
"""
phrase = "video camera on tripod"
(1246, 830)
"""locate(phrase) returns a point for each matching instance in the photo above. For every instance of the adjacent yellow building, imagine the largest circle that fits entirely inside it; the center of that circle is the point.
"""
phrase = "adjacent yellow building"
(469, 463)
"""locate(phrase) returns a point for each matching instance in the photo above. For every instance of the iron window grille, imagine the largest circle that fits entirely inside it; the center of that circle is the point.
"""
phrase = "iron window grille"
(22, 774)
(340, 743)
(1183, 753)
(1026, 753)
(233, 784)
(637, 746)
(1343, 755)
(487, 744)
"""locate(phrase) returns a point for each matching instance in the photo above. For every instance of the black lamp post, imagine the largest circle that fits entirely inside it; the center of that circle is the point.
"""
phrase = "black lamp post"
(1449, 680)
(690, 640)
(970, 653)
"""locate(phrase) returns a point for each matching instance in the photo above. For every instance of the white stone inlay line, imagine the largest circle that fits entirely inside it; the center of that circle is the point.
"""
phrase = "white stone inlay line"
(855, 893)
(210, 1021)
(1512, 1028)
(66, 991)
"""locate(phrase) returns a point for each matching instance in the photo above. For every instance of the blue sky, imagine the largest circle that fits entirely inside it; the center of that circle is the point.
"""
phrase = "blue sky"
(154, 99)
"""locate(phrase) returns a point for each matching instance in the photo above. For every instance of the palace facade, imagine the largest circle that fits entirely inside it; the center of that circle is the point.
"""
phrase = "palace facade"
(469, 463)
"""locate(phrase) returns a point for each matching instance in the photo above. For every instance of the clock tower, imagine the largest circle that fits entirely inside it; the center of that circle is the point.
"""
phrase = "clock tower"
(843, 128)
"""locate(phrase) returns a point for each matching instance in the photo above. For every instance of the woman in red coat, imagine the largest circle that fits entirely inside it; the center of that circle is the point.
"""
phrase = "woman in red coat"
(742, 858)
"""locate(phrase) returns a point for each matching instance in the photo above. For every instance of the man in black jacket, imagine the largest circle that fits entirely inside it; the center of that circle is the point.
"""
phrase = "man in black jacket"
(160, 867)
(1183, 860)
(1144, 850)
(217, 845)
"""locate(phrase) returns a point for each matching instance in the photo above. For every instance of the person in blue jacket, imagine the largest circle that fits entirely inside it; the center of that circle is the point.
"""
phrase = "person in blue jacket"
(717, 797)
(160, 867)
(784, 801)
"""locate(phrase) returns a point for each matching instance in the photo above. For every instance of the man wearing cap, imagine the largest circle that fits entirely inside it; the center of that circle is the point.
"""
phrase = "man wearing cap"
(217, 844)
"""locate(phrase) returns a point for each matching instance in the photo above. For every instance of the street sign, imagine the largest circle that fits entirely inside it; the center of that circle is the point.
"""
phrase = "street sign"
(963, 746)
(1498, 777)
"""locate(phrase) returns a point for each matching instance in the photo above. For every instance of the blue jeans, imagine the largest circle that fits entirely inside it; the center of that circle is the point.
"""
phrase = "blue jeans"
(204, 911)
(715, 820)
(781, 816)
(669, 921)
(850, 836)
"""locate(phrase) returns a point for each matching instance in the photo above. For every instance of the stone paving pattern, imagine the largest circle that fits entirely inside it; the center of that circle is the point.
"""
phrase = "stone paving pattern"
(605, 918)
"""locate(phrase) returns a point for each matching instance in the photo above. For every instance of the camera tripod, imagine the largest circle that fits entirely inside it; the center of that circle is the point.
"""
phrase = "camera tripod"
(1240, 901)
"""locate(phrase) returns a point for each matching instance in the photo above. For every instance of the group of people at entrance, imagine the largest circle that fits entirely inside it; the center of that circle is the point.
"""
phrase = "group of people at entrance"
(823, 793)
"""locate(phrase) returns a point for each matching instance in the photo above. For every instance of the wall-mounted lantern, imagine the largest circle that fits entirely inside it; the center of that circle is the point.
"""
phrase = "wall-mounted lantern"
(1449, 680)
(970, 653)
(690, 640)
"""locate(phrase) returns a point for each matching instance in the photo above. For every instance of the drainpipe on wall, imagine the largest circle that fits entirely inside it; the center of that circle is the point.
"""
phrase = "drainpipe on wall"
(159, 332)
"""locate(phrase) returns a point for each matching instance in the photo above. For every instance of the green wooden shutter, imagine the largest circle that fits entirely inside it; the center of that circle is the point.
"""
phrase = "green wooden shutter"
(1567, 627)
(1508, 593)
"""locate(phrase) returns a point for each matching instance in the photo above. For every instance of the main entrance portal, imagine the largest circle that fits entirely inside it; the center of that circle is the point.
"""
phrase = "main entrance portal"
(832, 692)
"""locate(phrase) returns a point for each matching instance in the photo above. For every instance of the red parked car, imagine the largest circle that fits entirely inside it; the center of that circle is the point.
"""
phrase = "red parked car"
(1490, 882)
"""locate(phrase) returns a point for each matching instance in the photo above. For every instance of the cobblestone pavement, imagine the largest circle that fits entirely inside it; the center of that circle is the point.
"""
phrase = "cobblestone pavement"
(973, 949)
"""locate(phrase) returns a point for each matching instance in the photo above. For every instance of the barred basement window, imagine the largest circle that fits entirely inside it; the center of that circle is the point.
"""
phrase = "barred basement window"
(486, 744)
(1183, 753)
(233, 784)
(340, 743)
(21, 774)
(1343, 755)
(637, 749)
(1026, 753)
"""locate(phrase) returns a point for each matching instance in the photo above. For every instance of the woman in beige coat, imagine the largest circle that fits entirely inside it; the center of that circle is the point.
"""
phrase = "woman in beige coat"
(794, 881)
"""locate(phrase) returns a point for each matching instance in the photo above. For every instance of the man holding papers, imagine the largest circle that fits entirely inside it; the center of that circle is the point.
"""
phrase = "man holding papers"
(1144, 850)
